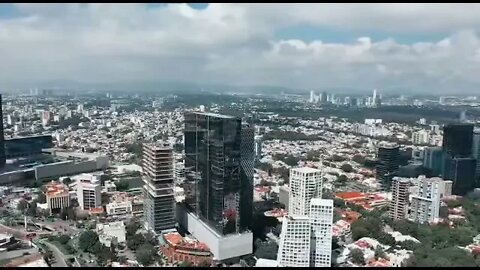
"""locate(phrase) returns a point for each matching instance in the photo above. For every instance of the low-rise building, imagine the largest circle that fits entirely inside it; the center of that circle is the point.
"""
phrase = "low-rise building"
(113, 232)
(179, 249)
(120, 204)
(57, 195)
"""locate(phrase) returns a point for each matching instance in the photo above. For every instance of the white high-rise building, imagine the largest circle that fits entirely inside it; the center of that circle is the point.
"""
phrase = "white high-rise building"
(294, 247)
(425, 204)
(89, 193)
(306, 236)
(305, 184)
(321, 220)
(421, 137)
(312, 96)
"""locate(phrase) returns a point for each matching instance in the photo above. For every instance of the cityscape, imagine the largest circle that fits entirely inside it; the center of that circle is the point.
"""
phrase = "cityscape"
(216, 174)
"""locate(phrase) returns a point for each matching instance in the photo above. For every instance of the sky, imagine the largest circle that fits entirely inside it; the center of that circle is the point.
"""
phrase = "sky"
(420, 48)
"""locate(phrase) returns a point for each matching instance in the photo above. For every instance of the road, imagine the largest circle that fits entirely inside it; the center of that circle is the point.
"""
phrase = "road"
(59, 256)
(17, 253)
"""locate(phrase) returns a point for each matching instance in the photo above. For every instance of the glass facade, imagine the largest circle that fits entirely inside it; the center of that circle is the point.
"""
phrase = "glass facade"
(2, 140)
(457, 139)
(214, 174)
(20, 147)
(388, 164)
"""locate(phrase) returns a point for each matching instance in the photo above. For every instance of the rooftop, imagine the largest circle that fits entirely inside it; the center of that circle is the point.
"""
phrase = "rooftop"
(306, 170)
(214, 115)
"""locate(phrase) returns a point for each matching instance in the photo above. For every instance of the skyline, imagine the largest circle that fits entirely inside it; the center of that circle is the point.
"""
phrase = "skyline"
(417, 48)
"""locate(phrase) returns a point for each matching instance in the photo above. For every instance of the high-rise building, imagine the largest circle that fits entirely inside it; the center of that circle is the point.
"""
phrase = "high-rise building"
(321, 220)
(219, 159)
(323, 97)
(425, 204)
(2, 137)
(159, 195)
(462, 173)
(312, 96)
(476, 155)
(258, 147)
(457, 139)
(421, 137)
(295, 242)
(399, 203)
(305, 184)
(433, 159)
(89, 193)
(388, 163)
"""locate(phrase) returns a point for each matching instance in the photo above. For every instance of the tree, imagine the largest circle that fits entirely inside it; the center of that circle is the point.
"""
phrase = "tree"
(346, 167)
(87, 241)
(379, 253)
(145, 254)
(135, 241)
(122, 185)
(132, 228)
(67, 180)
(32, 209)
(22, 205)
(342, 179)
(409, 245)
(337, 158)
(41, 198)
(359, 159)
(63, 239)
(357, 256)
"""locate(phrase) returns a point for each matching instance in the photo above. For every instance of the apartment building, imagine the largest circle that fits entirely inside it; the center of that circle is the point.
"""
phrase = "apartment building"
(400, 192)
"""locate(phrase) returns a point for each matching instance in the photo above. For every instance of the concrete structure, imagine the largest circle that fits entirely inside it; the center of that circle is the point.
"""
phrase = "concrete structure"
(223, 247)
(159, 196)
(400, 193)
(421, 137)
(89, 192)
(179, 249)
(295, 239)
(305, 184)
(321, 220)
(111, 233)
(425, 204)
(58, 196)
(119, 204)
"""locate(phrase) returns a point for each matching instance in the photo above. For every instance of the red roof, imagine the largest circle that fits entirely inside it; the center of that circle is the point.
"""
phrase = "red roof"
(350, 195)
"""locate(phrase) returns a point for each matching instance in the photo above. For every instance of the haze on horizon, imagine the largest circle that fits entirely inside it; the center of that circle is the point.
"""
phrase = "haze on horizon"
(420, 48)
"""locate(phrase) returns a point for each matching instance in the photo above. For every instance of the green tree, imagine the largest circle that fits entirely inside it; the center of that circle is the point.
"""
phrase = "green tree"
(63, 239)
(41, 198)
(346, 168)
(379, 253)
(22, 205)
(67, 181)
(342, 179)
(359, 159)
(132, 228)
(87, 241)
(32, 209)
(122, 185)
(145, 254)
(135, 241)
(357, 256)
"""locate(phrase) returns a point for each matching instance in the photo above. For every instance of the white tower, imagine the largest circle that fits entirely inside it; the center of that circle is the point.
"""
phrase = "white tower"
(312, 96)
(321, 220)
(294, 247)
(305, 184)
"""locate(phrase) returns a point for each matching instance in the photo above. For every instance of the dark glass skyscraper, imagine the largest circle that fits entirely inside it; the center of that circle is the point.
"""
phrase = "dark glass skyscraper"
(462, 173)
(476, 154)
(433, 159)
(457, 139)
(219, 171)
(388, 163)
(2, 138)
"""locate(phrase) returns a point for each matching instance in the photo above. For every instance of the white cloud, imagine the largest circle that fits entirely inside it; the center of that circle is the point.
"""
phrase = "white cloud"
(236, 44)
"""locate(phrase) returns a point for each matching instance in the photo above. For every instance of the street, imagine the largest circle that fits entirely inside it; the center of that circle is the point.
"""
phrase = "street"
(59, 257)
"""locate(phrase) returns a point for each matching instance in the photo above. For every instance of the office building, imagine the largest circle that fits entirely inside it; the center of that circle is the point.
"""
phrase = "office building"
(89, 193)
(219, 156)
(433, 159)
(295, 242)
(400, 193)
(159, 196)
(462, 173)
(258, 147)
(57, 196)
(476, 155)
(425, 204)
(457, 139)
(312, 96)
(321, 220)
(388, 163)
(305, 184)
(27, 146)
(2, 138)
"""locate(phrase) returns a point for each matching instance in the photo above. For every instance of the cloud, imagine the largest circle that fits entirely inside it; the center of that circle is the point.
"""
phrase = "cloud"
(236, 44)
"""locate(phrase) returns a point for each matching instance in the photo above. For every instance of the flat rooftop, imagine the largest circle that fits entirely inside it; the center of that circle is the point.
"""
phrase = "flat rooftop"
(306, 170)
(213, 114)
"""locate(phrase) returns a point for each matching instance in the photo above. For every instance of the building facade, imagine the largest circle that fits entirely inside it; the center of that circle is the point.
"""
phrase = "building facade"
(388, 163)
(433, 160)
(3, 160)
(321, 220)
(476, 155)
(58, 197)
(462, 173)
(457, 139)
(400, 198)
(425, 204)
(305, 184)
(159, 196)
(89, 193)
(295, 241)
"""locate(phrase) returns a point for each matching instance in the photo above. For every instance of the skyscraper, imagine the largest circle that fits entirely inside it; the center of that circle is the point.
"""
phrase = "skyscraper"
(158, 188)
(433, 160)
(462, 173)
(388, 163)
(2, 138)
(305, 184)
(321, 220)
(312, 96)
(476, 155)
(306, 237)
(457, 139)
(399, 203)
(219, 159)
(295, 242)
